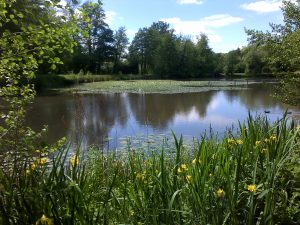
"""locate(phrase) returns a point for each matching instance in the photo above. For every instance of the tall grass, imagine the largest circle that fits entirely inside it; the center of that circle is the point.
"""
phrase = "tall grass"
(246, 178)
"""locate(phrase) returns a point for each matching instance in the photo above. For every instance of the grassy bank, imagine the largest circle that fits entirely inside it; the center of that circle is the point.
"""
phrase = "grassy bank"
(249, 178)
(64, 80)
(161, 86)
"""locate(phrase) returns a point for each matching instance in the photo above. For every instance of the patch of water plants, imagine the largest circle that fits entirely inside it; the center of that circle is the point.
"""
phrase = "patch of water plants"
(249, 177)
(160, 86)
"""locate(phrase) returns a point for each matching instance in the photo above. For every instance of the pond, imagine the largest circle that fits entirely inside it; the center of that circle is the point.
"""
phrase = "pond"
(93, 119)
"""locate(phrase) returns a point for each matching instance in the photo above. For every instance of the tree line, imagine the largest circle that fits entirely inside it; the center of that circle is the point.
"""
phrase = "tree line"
(155, 50)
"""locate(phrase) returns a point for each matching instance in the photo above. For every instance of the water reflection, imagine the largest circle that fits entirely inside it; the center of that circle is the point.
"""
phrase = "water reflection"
(91, 119)
(159, 110)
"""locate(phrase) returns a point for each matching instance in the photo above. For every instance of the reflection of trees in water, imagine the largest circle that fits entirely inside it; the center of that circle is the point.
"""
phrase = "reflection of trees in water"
(95, 115)
(53, 112)
(257, 98)
(158, 110)
(83, 118)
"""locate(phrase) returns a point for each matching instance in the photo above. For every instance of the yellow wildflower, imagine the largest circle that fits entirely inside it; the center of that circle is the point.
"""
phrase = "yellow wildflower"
(179, 170)
(251, 187)
(257, 143)
(230, 141)
(183, 166)
(74, 160)
(195, 161)
(220, 193)
(267, 140)
(188, 178)
(140, 176)
(33, 166)
(43, 161)
(239, 141)
(273, 138)
(44, 220)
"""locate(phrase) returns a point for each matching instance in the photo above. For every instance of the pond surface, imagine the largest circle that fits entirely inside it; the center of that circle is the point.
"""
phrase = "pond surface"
(91, 119)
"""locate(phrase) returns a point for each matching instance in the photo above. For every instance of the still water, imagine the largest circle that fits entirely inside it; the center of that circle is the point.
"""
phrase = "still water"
(91, 119)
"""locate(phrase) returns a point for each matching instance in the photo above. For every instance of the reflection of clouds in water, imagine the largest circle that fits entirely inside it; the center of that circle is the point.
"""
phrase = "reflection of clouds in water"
(191, 116)
(214, 104)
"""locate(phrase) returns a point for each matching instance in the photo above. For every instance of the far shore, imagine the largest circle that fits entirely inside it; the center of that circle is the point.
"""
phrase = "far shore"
(164, 86)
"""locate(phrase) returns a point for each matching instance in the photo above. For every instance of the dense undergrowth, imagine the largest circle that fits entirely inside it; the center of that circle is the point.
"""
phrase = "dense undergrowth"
(251, 177)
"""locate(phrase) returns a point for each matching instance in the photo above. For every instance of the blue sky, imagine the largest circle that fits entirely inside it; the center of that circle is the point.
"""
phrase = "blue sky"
(222, 20)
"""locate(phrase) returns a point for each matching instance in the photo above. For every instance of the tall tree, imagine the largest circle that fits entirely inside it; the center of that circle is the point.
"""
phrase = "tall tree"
(95, 38)
(204, 56)
(120, 46)
(137, 50)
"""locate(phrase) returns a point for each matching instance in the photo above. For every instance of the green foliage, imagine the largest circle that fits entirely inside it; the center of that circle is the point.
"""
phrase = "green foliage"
(25, 43)
(94, 39)
(247, 178)
(158, 51)
(120, 45)
(282, 45)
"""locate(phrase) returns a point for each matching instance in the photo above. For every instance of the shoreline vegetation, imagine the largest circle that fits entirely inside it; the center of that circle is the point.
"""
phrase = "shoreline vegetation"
(161, 86)
(251, 177)
(141, 84)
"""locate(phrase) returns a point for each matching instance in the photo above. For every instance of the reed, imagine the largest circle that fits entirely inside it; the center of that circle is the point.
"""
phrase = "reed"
(248, 177)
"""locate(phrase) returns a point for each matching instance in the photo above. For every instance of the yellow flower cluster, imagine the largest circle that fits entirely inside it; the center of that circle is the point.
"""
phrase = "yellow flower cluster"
(232, 142)
(220, 193)
(43, 161)
(40, 162)
(257, 143)
(272, 138)
(44, 220)
(182, 168)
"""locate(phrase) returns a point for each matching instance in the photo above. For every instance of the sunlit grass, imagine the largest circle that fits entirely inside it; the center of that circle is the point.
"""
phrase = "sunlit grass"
(246, 178)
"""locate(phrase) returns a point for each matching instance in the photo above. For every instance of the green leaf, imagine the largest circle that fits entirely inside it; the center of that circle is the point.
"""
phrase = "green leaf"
(261, 195)
(53, 67)
(20, 15)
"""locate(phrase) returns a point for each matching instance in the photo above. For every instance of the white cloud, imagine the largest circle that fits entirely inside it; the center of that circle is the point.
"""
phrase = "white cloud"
(184, 2)
(131, 32)
(109, 17)
(205, 25)
(265, 6)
